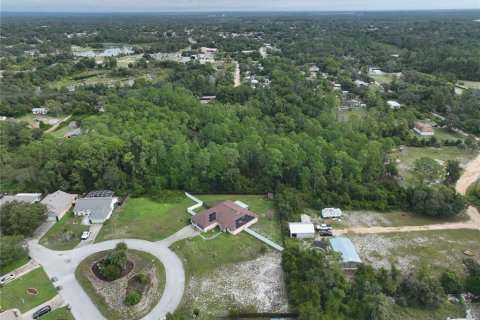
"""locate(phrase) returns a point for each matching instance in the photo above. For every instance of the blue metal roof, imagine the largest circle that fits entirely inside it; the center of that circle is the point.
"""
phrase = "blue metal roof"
(346, 248)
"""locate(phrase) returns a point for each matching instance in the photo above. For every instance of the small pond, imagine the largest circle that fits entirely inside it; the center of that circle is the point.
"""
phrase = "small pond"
(106, 51)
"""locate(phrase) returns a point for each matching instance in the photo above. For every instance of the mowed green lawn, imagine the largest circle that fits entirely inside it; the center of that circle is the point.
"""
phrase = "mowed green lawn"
(201, 256)
(59, 314)
(143, 218)
(14, 294)
(267, 225)
(64, 234)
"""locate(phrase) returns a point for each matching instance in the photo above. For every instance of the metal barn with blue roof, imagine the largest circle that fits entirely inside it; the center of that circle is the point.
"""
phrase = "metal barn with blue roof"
(349, 254)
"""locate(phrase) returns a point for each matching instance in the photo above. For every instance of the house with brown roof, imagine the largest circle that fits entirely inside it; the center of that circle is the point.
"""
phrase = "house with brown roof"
(423, 129)
(228, 215)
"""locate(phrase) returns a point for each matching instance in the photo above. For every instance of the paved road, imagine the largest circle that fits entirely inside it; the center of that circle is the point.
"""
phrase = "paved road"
(62, 264)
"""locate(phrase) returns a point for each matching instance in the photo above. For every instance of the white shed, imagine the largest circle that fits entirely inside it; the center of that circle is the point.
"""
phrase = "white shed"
(301, 230)
(393, 104)
(331, 213)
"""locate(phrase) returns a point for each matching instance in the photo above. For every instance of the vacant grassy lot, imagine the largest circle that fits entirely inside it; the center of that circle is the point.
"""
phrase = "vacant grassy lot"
(383, 78)
(64, 234)
(436, 250)
(109, 296)
(14, 294)
(267, 224)
(60, 132)
(59, 314)
(441, 134)
(469, 84)
(143, 218)
(351, 219)
(408, 156)
(201, 258)
(446, 310)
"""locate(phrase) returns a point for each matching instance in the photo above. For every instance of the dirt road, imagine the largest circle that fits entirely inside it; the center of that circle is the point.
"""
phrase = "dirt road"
(470, 175)
(236, 79)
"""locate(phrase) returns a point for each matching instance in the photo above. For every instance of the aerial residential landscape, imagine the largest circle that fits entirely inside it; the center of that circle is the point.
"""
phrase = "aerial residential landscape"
(261, 160)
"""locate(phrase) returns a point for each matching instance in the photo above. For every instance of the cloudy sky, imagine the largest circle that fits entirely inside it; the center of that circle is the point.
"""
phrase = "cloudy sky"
(224, 5)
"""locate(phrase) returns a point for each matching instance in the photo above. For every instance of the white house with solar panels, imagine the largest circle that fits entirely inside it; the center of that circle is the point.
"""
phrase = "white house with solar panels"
(331, 213)
(344, 246)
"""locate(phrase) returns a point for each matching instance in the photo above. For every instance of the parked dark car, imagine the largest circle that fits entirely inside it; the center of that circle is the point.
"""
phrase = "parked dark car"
(40, 312)
(326, 234)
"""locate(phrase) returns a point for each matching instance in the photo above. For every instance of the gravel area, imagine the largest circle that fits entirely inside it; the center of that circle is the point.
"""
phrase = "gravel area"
(256, 285)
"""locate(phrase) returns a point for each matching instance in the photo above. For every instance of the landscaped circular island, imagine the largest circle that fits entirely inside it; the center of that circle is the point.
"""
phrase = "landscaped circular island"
(123, 283)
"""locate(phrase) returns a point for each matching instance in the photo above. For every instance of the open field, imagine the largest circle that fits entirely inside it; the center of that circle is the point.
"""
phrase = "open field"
(408, 156)
(109, 296)
(16, 264)
(32, 119)
(469, 84)
(64, 234)
(441, 134)
(60, 132)
(267, 225)
(143, 218)
(383, 78)
(388, 219)
(59, 314)
(436, 250)
(209, 265)
(14, 294)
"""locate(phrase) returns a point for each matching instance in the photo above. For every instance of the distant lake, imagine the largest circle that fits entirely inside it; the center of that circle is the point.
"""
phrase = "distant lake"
(107, 51)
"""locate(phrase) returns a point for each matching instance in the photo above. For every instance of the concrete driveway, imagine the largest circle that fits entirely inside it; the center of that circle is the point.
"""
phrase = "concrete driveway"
(62, 264)
(95, 228)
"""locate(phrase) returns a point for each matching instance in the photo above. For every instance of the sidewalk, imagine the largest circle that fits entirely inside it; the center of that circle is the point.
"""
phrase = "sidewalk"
(56, 302)
(27, 267)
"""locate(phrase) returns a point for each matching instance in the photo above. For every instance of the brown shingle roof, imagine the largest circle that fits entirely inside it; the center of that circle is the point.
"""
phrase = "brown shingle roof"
(227, 214)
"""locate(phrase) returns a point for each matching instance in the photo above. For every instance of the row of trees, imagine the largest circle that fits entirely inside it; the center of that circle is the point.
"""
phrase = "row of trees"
(319, 289)
(19, 220)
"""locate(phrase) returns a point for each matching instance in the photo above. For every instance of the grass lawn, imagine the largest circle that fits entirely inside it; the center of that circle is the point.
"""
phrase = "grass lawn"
(267, 225)
(14, 294)
(351, 219)
(59, 132)
(59, 314)
(201, 256)
(469, 84)
(14, 265)
(382, 78)
(410, 154)
(441, 134)
(143, 218)
(143, 264)
(64, 234)
(446, 310)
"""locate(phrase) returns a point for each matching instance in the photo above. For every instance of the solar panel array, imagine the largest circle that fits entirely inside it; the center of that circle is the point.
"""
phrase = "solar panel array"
(100, 194)
(243, 220)
(212, 217)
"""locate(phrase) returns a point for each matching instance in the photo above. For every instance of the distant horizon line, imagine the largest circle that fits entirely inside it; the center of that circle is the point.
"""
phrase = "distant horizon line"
(236, 11)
